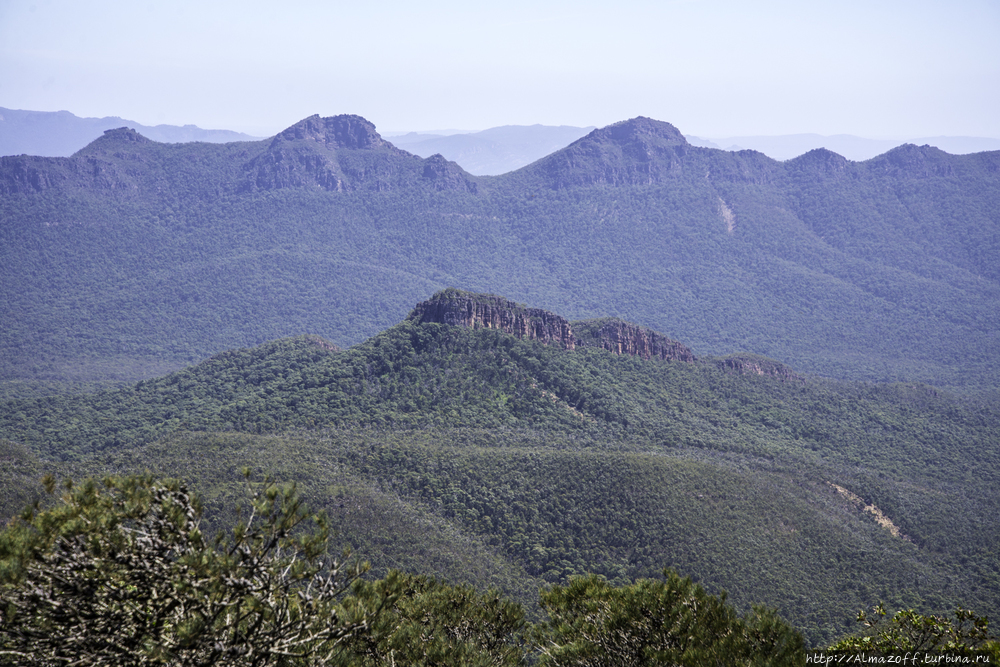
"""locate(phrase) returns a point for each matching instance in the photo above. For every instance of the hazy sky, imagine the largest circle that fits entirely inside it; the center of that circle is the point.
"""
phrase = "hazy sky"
(717, 68)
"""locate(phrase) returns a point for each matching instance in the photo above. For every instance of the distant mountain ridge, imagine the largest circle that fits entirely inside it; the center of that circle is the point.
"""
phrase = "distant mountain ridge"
(497, 150)
(789, 146)
(60, 133)
(494, 151)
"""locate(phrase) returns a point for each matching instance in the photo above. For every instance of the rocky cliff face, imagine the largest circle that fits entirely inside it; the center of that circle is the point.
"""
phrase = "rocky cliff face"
(752, 364)
(488, 311)
(623, 337)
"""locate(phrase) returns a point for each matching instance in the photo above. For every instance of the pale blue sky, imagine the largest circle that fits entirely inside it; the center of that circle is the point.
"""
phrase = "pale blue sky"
(710, 67)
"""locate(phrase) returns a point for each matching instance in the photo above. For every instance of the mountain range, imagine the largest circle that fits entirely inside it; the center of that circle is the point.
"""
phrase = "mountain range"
(496, 150)
(779, 378)
(789, 146)
(133, 257)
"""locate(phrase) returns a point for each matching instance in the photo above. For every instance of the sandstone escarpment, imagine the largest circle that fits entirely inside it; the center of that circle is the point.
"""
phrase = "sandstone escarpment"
(623, 337)
(488, 311)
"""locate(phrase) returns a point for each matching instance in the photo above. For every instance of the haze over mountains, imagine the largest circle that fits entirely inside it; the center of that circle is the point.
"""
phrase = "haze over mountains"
(60, 133)
(494, 151)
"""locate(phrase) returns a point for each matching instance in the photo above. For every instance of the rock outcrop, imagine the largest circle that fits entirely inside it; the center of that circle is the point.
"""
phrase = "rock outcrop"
(122, 142)
(488, 311)
(912, 162)
(753, 364)
(623, 337)
(443, 174)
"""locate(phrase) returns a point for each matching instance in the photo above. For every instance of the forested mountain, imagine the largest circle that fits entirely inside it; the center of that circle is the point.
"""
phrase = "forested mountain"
(493, 443)
(133, 257)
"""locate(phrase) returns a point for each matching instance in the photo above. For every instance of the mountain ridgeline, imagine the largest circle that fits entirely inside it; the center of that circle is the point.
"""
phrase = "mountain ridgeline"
(498, 444)
(132, 258)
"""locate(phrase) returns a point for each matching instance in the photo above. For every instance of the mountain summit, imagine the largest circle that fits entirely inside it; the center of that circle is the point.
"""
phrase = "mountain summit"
(639, 151)
(344, 131)
(345, 153)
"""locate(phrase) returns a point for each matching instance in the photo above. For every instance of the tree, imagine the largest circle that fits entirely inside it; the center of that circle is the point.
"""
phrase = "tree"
(670, 621)
(910, 632)
(119, 573)
(420, 621)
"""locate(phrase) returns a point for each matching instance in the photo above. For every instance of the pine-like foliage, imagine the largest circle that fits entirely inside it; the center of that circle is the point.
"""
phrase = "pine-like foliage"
(119, 573)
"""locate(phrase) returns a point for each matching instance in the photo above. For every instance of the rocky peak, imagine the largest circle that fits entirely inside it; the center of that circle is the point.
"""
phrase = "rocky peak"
(114, 141)
(639, 131)
(443, 174)
(345, 153)
(344, 131)
(911, 161)
(488, 311)
(337, 153)
(640, 151)
(821, 161)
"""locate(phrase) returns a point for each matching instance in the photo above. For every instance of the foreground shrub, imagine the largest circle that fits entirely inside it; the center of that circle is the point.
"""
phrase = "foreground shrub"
(669, 621)
(119, 573)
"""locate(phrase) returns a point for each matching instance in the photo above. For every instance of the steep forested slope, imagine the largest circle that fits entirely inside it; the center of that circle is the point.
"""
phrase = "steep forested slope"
(132, 257)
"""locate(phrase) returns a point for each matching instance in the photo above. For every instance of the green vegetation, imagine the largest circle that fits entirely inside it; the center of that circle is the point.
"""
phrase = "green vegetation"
(119, 573)
(658, 622)
(490, 461)
(912, 633)
(420, 621)
(123, 575)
